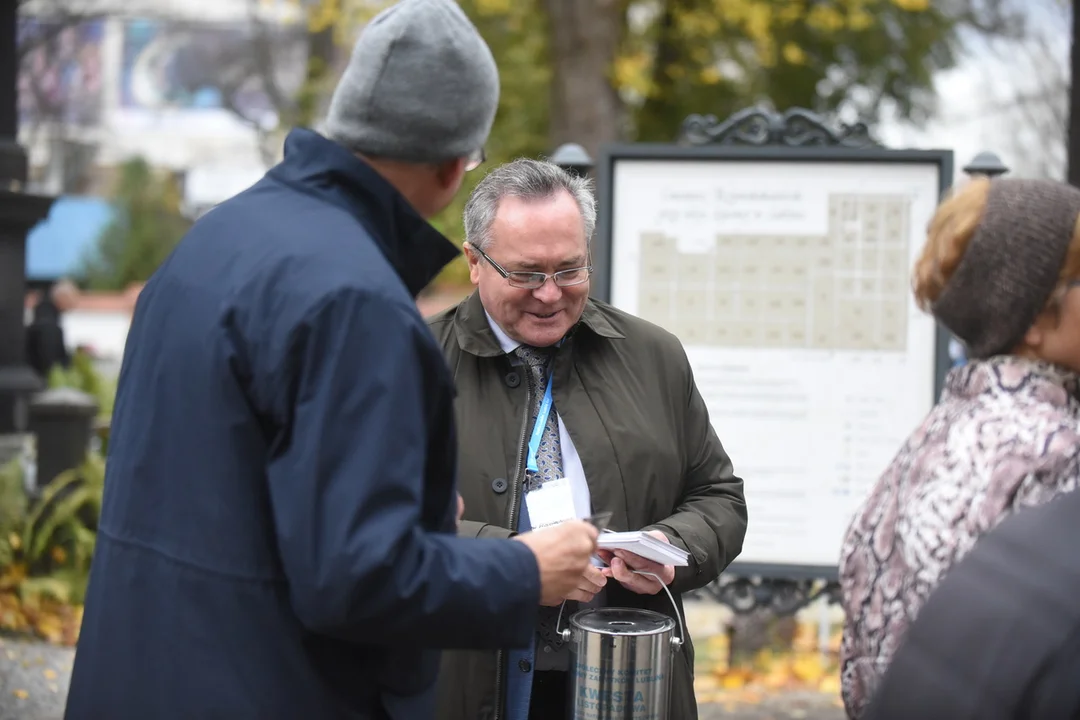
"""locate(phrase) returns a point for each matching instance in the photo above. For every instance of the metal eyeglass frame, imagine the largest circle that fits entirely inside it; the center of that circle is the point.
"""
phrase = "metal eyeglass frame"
(539, 279)
(475, 159)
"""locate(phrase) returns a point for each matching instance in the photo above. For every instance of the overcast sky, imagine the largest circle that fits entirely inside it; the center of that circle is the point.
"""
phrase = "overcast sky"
(1005, 97)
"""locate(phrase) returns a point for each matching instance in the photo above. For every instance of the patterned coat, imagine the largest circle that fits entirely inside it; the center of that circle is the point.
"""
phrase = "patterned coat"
(1006, 434)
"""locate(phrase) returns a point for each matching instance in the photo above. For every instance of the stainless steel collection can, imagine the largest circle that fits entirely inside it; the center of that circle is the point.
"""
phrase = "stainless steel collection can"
(620, 664)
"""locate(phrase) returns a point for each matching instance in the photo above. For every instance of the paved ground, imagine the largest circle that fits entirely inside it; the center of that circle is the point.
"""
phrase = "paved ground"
(784, 706)
(34, 680)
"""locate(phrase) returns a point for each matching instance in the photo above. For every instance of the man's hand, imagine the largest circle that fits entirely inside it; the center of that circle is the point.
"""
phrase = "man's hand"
(622, 565)
(460, 509)
(562, 553)
(590, 583)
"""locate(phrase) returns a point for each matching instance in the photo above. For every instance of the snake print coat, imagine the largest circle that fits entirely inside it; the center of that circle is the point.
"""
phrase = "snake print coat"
(1006, 434)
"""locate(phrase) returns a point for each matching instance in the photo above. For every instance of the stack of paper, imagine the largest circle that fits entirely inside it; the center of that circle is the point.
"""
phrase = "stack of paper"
(645, 545)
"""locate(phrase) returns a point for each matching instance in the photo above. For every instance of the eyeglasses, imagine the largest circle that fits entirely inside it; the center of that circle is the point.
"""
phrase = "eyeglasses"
(535, 280)
(475, 159)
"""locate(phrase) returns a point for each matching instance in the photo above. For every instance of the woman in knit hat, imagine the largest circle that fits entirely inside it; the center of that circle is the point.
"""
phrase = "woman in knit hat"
(1000, 270)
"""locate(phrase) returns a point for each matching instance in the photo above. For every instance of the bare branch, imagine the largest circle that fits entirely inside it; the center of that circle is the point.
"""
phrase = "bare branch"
(263, 51)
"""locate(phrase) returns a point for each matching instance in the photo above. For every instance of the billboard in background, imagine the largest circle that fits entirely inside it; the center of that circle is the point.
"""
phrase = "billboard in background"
(60, 73)
(194, 68)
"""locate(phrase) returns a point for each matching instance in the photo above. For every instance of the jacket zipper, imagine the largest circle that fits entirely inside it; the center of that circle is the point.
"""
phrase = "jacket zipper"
(515, 488)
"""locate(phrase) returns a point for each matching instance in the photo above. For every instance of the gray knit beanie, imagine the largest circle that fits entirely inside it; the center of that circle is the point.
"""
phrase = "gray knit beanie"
(1011, 265)
(421, 86)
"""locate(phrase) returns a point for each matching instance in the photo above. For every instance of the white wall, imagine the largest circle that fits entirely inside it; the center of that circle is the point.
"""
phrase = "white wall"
(105, 332)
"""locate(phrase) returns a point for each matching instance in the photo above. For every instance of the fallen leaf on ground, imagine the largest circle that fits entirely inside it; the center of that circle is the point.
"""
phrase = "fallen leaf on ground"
(802, 665)
(21, 694)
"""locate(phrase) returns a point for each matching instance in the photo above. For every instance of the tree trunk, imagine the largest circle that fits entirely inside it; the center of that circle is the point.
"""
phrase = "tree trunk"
(584, 39)
(1073, 158)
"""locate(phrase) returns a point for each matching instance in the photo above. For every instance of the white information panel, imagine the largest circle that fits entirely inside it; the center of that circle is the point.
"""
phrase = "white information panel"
(789, 285)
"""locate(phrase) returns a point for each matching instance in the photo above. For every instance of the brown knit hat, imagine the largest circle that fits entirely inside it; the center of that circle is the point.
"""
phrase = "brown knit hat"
(1011, 265)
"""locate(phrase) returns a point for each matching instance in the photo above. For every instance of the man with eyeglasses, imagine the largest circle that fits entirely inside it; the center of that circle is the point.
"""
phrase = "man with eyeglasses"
(278, 537)
(568, 408)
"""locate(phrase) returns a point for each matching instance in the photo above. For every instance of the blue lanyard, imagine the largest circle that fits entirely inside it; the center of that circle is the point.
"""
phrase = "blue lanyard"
(538, 426)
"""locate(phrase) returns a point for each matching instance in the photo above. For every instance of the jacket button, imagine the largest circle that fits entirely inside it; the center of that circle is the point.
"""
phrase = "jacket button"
(524, 665)
(499, 485)
(513, 379)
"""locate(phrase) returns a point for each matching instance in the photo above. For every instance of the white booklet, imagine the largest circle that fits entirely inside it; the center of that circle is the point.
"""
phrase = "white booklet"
(645, 545)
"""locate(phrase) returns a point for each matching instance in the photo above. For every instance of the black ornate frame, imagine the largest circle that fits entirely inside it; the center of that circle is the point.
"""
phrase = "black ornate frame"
(761, 127)
(760, 135)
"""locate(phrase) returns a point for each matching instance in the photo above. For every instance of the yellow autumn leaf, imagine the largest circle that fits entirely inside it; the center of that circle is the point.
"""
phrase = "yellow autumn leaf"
(912, 5)
(733, 681)
(758, 22)
(49, 627)
(793, 54)
(859, 20)
(21, 694)
(14, 541)
(323, 15)
(698, 23)
(809, 668)
(830, 684)
(632, 72)
(49, 673)
(825, 18)
(710, 75)
(492, 7)
(790, 13)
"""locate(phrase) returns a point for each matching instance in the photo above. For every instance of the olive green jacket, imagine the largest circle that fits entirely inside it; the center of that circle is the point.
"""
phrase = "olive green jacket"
(625, 392)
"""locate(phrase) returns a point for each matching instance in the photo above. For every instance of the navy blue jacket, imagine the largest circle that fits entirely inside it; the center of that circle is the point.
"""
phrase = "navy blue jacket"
(277, 539)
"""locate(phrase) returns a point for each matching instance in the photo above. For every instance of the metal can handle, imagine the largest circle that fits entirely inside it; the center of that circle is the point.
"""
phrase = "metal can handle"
(676, 642)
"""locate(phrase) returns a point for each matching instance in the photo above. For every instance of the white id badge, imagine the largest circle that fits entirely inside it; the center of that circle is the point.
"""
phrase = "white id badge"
(550, 504)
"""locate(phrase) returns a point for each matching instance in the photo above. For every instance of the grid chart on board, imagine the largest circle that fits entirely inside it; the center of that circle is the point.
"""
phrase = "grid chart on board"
(846, 290)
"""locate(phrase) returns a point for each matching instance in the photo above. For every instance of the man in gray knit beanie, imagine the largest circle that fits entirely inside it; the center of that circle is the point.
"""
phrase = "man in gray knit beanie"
(311, 567)
(421, 88)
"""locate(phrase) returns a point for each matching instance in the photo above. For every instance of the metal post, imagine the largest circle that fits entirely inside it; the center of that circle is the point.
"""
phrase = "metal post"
(573, 158)
(987, 164)
(19, 212)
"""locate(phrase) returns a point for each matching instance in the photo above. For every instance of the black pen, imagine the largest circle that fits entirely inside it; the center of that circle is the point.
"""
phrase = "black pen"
(599, 520)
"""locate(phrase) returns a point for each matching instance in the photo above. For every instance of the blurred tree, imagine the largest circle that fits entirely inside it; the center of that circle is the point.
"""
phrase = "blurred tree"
(634, 69)
(148, 225)
(852, 57)
(584, 43)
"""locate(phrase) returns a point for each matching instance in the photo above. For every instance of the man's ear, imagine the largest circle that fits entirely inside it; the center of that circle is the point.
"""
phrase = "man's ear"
(473, 259)
(449, 173)
(470, 253)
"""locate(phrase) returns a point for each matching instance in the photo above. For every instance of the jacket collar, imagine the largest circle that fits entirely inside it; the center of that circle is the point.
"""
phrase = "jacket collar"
(1005, 373)
(322, 168)
(475, 336)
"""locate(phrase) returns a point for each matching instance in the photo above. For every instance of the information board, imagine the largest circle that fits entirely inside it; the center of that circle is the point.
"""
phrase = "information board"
(787, 279)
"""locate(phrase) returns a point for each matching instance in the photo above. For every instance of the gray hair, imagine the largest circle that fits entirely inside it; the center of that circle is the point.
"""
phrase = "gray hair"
(529, 180)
